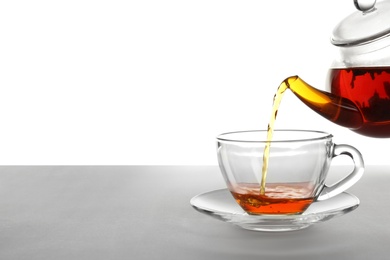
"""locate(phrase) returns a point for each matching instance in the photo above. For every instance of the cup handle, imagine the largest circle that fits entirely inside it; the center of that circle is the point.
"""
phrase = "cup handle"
(345, 183)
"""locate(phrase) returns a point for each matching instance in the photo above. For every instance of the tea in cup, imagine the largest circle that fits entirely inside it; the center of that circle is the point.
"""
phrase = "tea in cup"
(297, 166)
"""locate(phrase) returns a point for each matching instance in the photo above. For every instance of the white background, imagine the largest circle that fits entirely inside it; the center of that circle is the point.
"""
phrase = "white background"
(153, 81)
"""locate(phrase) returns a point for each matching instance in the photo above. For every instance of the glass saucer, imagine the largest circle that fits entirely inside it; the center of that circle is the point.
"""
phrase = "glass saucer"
(221, 205)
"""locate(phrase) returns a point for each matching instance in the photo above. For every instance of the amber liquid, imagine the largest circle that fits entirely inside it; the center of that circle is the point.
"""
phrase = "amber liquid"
(369, 89)
(278, 198)
(327, 104)
(277, 99)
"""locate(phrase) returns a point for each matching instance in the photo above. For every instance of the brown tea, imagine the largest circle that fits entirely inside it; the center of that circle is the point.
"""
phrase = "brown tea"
(369, 89)
(277, 99)
(288, 198)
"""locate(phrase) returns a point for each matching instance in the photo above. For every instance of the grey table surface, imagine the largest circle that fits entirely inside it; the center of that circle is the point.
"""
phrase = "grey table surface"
(143, 212)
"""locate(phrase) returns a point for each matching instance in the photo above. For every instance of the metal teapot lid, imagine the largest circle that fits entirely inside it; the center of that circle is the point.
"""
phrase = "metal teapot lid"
(370, 23)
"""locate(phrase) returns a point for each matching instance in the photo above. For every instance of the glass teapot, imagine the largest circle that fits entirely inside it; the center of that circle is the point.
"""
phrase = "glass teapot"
(358, 81)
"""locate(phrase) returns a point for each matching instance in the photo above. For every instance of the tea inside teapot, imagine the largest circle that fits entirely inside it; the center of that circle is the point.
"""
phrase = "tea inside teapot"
(369, 89)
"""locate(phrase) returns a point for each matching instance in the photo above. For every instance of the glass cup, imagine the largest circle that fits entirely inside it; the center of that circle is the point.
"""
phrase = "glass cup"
(298, 163)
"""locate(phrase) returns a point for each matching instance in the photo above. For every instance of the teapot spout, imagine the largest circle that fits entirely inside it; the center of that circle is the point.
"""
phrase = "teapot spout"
(337, 109)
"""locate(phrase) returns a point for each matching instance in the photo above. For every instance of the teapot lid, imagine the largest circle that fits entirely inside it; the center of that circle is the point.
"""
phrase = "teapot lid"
(370, 23)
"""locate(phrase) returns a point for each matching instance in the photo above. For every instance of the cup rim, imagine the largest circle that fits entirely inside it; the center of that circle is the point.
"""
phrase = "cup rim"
(322, 136)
